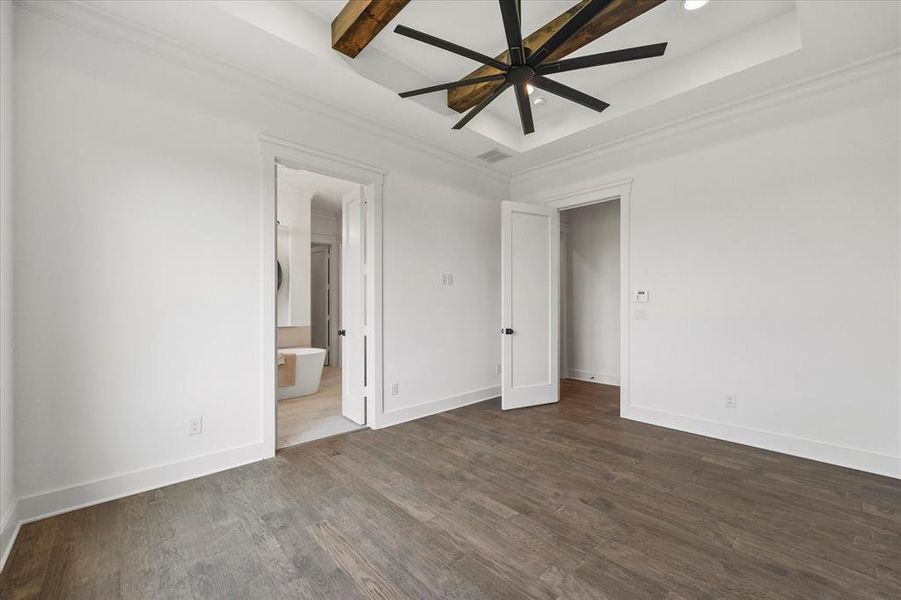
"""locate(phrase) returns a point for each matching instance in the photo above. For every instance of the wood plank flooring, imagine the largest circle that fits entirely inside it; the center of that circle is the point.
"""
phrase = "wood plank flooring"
(559, 501)
(316, 416)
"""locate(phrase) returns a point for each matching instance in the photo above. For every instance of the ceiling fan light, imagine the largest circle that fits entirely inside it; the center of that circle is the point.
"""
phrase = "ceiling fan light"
(693, 4)
(530, 88)
(539, 100)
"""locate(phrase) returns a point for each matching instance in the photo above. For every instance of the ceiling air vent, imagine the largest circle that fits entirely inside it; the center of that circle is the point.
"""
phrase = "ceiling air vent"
(492, 156)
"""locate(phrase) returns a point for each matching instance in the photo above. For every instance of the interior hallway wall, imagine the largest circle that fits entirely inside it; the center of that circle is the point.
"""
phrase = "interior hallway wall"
(592, 292)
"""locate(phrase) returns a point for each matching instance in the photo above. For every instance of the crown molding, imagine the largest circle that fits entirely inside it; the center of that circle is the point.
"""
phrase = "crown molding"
(95, 21)
(324, 214)
(827, 80)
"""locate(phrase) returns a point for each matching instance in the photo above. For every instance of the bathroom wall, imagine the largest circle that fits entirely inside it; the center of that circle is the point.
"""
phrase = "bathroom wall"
(294, 215)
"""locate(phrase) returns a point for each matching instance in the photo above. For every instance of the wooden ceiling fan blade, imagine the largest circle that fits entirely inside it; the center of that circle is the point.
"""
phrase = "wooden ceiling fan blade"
(481, 105)
(513, 30)
(452, 84)
(431, 40)
(572, 27)
(603, 58)
(573, 95)
(525, 108)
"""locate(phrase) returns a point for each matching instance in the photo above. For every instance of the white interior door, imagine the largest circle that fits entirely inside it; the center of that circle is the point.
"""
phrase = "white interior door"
(353, 323)
(319, 306)
(530, 273)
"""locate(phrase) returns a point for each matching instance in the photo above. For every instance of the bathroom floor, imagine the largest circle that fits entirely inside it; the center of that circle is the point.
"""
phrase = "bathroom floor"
(315, 416)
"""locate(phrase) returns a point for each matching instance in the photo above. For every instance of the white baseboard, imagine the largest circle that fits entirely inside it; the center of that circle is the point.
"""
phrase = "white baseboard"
(432, 407)
(854, 458)
(9, 529)
(592, 377)
(54, 502)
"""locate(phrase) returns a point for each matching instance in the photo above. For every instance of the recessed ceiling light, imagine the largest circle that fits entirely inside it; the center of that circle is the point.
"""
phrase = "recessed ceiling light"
(539, 100)
(693, 4)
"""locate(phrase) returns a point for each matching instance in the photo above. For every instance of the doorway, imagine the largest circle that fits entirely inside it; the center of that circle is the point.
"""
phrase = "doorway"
(533, 302)
(590, 293)
(317, 333)
(318, 215)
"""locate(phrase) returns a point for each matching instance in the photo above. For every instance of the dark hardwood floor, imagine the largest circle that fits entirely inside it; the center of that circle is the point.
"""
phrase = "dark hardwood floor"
(559, 501)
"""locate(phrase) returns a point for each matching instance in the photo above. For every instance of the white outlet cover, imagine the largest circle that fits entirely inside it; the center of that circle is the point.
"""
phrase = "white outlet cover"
(640, 314)
(195, 426)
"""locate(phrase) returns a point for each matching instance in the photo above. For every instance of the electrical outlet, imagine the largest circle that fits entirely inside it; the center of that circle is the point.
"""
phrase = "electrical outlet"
(639, 314)
(731, 402)
(450, 279)
(444, 279)
(395, 389)
(195, 426)
(497, 369)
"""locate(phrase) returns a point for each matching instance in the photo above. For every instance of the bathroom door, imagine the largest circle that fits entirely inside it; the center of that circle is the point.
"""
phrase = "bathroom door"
(353, 321)
(530, 304)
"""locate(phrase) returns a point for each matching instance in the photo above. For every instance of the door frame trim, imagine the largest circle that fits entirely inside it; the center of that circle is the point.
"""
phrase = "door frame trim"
(275, 151)
(617, 190)
(334, 244)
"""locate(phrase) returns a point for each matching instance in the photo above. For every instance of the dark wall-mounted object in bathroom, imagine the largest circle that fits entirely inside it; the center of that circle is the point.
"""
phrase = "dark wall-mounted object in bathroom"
(278, 285)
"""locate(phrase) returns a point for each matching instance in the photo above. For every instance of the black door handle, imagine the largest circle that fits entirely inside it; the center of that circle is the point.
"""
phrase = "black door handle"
(507, 331)
(342, 332)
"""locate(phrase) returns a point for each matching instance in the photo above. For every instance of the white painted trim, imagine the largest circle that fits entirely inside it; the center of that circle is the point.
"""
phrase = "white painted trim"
(66, 499)
(616, 190)
(592, 377)
(274, 150)
(432, 407)
(9, 531)
(322, 214)
(853, 458)
(821, 82)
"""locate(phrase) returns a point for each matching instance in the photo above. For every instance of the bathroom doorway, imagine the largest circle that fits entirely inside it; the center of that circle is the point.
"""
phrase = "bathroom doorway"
(317, 231)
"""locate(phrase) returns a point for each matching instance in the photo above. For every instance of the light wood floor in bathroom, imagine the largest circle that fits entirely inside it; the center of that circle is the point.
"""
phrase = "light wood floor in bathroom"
(316, 416)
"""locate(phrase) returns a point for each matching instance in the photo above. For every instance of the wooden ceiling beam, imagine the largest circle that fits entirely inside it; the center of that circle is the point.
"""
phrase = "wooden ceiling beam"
(360, 21)
(617, 13)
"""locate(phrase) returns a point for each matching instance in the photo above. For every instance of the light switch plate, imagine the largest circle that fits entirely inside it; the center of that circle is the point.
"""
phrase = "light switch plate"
(640, 314)
(640, 296)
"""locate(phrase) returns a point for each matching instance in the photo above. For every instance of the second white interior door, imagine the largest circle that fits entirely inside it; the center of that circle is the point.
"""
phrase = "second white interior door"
(530, 273)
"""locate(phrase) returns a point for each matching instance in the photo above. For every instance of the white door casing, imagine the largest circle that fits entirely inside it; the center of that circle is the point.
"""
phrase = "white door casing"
(353, 310)
(530, 275)
(319, 301)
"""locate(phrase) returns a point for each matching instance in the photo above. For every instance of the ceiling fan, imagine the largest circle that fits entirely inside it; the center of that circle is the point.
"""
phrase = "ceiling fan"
(529, 66)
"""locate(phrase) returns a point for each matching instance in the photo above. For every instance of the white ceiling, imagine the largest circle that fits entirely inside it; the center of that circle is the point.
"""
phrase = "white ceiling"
(721, 55)
(719, 27)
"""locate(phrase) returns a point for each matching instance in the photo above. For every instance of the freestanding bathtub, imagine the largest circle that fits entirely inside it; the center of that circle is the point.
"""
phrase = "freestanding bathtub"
(309, 372)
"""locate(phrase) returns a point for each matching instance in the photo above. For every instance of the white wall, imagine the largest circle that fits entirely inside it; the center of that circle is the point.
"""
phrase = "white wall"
(294, 213)
(592, 292)
(140, 183)
(7, 479)
(769, 242)
(436, 229)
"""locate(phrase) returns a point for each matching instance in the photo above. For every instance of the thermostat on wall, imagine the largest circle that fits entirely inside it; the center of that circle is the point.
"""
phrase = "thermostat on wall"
(640, 296)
